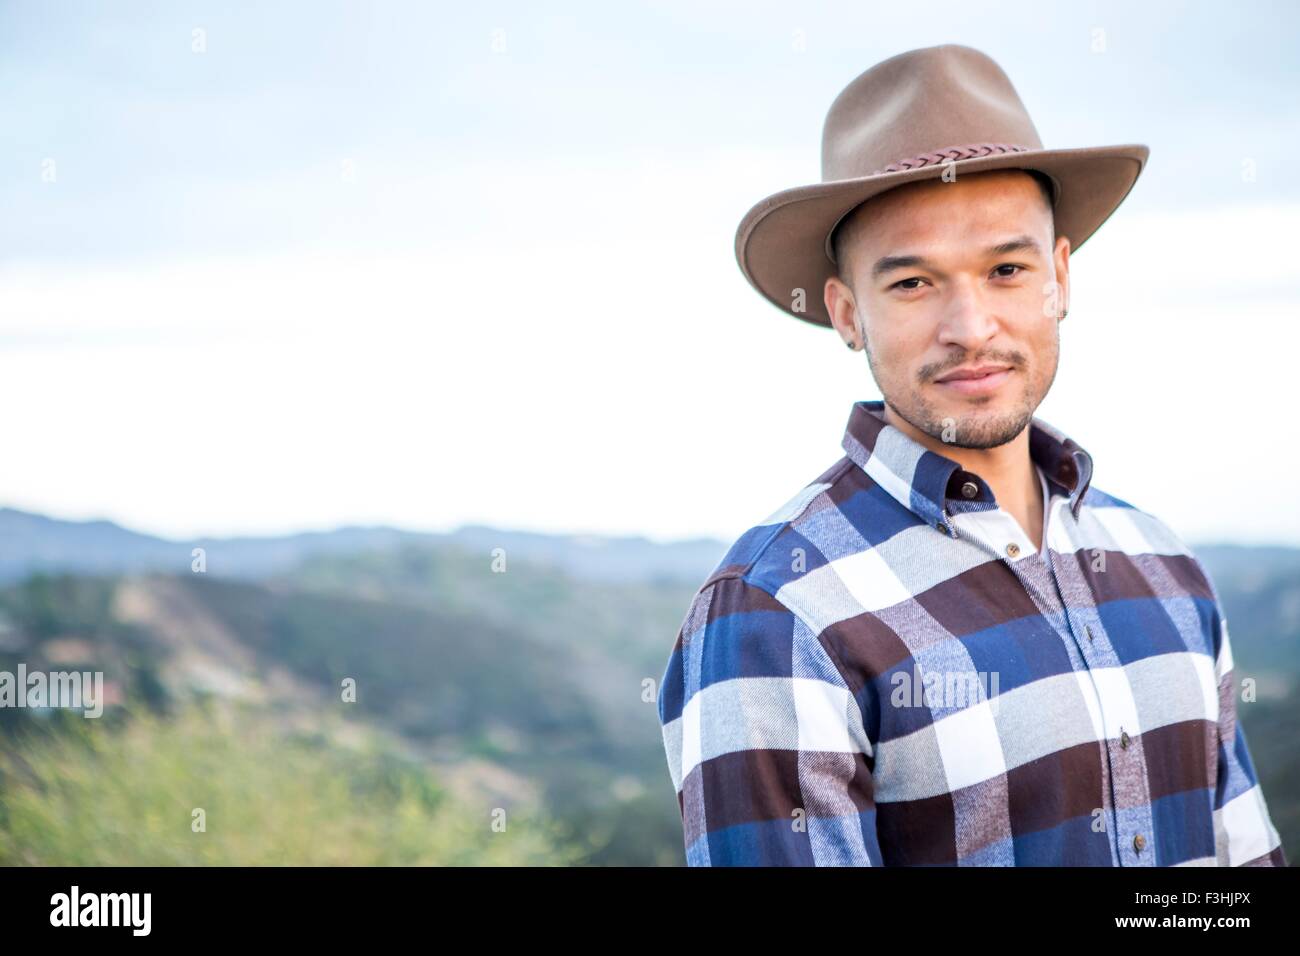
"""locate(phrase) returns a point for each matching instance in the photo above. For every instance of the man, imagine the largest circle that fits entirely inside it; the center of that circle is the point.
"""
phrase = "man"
(950, 647)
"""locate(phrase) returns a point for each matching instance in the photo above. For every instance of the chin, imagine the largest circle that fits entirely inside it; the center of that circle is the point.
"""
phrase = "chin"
(992, 431)
(985, 421)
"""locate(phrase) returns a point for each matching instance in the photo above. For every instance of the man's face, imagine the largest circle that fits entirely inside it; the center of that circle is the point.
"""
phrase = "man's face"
(949, 276)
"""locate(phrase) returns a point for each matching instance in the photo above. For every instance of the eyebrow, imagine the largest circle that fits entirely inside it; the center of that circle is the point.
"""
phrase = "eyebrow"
(887, 264)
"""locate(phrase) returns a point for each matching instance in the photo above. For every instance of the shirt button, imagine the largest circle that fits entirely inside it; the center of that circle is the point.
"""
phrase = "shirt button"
(942, 527)
(1123, 739)
(970, 489)
(1013, 549)
(1139, 842)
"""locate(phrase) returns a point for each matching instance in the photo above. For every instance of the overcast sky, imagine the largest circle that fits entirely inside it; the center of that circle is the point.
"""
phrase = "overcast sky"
(267, 268)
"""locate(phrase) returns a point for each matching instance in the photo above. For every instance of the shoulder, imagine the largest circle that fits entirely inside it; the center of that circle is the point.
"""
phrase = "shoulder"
(752, 571)
(739, 623)
(1133, 529)
(780, 566)
(1116, 525)
(775, 550)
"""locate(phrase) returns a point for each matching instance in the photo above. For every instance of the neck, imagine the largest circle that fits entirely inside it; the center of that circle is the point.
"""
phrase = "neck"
(1007, 469)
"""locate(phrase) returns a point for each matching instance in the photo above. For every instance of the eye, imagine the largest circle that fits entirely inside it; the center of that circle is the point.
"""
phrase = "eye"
(1008, 265)
(899, 284)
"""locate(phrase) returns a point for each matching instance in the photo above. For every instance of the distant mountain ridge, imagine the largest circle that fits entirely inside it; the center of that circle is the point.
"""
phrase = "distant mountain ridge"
(32, 542)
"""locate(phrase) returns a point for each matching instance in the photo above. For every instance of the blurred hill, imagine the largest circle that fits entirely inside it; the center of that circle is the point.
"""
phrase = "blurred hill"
(494, 672)
(501, 712)
(37, 543)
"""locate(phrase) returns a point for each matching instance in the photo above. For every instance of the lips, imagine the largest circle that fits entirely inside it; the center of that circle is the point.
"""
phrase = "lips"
(976, 381)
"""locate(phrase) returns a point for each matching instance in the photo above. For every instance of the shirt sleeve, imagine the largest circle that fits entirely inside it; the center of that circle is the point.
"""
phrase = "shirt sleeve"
(1244, 834)
(764, 738)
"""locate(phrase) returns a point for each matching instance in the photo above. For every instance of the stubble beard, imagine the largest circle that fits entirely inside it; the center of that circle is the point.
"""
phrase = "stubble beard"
(973, 428)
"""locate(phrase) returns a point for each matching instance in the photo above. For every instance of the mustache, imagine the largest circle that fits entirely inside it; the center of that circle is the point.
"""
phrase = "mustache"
(934, 370)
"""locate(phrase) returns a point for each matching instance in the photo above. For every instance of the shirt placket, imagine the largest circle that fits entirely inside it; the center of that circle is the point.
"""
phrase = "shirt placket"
(1130, 815)
(1057, 585)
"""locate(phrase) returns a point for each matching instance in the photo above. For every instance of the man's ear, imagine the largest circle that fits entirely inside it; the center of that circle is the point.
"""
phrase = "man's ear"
(843, 310)
(1061, 260)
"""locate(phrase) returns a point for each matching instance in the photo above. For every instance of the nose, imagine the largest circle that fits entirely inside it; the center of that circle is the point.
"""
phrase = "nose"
(968, 321)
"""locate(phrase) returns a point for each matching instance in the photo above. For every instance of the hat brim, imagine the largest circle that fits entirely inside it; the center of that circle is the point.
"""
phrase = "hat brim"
(781, 242)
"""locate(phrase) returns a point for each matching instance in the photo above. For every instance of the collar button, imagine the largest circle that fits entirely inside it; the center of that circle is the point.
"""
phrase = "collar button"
(969, 489)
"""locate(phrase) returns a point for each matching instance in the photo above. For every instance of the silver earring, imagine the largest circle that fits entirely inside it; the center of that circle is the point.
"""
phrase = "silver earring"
(850, 344)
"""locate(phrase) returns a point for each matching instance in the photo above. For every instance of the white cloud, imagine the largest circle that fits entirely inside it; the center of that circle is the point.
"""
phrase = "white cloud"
(573, 348)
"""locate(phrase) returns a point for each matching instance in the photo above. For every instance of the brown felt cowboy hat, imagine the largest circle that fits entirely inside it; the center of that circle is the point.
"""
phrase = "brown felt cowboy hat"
(908, 118)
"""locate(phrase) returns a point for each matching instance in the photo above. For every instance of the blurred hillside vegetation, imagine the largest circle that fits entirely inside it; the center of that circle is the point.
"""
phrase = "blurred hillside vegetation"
(482, 696)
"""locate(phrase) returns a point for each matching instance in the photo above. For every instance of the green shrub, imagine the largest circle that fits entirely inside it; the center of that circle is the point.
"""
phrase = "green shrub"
(98, 795)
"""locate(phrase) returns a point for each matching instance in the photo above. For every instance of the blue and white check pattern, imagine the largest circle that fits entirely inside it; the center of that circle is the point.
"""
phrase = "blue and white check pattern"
(886, 671)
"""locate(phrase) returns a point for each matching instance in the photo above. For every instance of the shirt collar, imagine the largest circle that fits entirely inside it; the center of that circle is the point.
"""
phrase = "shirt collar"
(930, 485)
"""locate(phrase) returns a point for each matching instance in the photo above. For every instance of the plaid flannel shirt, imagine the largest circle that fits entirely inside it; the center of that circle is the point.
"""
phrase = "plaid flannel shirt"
(887, 672)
